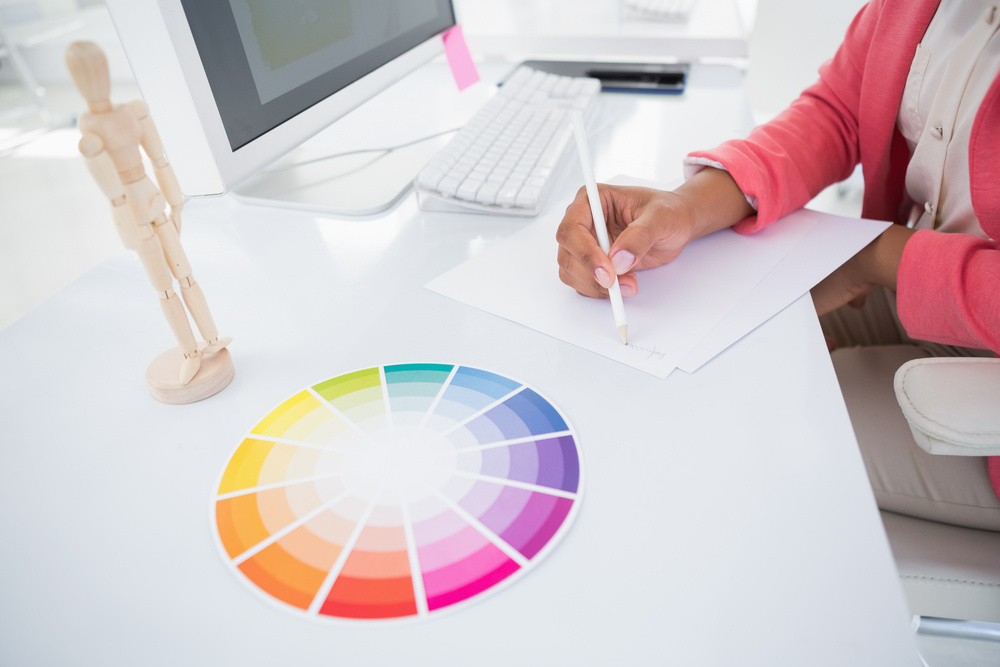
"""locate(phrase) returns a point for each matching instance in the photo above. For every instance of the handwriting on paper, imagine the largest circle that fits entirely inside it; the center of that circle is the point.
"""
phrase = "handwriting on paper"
(651, 353)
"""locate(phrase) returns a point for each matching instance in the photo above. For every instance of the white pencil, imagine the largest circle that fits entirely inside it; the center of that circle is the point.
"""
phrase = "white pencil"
(600, 226)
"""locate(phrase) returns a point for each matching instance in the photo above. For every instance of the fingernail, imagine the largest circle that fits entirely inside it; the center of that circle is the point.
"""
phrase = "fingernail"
(627, 291)
(602, 276)
(622, 260)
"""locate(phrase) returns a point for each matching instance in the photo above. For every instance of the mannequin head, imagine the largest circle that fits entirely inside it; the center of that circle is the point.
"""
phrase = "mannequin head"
(89, 68)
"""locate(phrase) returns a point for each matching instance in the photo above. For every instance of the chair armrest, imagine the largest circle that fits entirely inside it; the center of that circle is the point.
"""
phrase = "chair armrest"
(952, 404)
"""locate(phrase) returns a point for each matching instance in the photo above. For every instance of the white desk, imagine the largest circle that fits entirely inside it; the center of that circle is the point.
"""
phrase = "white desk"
(581, 28)
(726, 518)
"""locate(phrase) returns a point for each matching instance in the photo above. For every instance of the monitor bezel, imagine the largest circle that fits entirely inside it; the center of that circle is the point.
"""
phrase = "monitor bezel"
(164, 58)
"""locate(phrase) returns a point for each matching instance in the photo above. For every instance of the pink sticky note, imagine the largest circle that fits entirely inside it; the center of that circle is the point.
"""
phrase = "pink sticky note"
(459, 59)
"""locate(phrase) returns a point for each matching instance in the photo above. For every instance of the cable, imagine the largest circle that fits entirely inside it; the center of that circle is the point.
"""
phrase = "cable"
(385, 151)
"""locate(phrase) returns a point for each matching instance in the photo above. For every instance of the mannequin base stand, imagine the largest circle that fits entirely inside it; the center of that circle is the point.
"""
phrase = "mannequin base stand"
(215, 374)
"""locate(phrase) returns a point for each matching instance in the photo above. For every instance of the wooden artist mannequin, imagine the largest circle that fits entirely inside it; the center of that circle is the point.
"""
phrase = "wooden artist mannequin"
(112, 137)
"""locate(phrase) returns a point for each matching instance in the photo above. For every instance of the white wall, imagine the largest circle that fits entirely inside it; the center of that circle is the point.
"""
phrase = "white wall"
(43, 41)
(17, 10)
(789, 41)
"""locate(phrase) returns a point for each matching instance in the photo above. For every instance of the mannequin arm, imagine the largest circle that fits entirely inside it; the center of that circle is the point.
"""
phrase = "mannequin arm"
(106, 176)
(164, 173)
(951, 404)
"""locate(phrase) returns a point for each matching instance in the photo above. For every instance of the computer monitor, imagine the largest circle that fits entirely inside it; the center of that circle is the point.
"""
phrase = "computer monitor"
(233, 85)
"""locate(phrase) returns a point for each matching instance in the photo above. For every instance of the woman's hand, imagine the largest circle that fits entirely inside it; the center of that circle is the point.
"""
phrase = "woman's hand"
(646, 227)
(657, 226)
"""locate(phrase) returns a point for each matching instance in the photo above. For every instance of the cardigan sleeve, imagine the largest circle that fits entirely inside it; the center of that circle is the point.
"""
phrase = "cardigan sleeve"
(947, 289)
(809, 146)
(946, 283)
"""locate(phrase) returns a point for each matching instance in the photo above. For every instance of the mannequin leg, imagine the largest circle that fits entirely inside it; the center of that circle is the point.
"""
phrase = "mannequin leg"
(194, 298)
(150, 252)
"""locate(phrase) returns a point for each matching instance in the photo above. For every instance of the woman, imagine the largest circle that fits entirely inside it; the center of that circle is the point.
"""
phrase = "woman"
(913, 94)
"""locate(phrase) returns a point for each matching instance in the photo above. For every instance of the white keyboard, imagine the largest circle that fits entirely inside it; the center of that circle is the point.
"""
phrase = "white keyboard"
(504, 159)
(663, 10)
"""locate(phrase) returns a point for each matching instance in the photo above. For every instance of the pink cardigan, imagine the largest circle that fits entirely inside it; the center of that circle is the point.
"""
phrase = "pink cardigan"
(948, 285)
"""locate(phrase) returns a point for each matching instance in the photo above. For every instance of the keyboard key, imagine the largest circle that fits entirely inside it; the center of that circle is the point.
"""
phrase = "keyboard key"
(498, 176)
(507, 196)
(488, 193)
(529, 196)
(449, 186)
(469, 188)
(431, 176)
(553, 152)
(663, 10)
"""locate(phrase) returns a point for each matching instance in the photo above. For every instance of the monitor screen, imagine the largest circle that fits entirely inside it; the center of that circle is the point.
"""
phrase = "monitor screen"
(268, 60)
(234, 85)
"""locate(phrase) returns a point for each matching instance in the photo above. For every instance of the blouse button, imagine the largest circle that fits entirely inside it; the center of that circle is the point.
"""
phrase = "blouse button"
(938, 131)
(929, 207)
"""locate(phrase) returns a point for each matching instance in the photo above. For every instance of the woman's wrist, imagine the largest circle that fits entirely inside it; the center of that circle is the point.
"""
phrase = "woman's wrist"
(714, 201)
(885, 254)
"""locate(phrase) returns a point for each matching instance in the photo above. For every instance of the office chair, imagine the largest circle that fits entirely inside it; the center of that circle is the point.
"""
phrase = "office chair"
(950, 572)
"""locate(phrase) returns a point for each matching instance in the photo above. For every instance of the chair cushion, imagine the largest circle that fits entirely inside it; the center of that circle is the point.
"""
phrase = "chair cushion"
(946, 571)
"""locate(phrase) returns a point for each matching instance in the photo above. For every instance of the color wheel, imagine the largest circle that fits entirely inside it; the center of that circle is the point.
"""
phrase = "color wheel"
(397, 491)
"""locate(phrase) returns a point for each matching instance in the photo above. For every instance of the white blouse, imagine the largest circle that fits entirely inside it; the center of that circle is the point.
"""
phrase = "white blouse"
(954, 65)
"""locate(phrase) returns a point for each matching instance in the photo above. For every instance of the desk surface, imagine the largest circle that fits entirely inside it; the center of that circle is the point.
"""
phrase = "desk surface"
(581, 28)
(726, 520)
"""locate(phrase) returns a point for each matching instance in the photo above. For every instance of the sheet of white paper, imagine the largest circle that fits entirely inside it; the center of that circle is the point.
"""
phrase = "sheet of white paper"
(829, 242)
(677, 306)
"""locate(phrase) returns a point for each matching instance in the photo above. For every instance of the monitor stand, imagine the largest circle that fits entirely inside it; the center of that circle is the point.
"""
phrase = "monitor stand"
(318, 177)
(337, 171)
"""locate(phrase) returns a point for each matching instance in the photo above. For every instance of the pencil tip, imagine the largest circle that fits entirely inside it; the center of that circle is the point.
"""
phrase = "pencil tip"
(623, 330)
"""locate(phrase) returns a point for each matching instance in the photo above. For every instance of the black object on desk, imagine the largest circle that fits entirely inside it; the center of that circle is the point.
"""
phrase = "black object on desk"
(620, 77)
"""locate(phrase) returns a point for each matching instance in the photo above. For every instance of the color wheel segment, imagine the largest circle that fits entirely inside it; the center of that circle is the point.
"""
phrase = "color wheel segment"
(397, 491)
